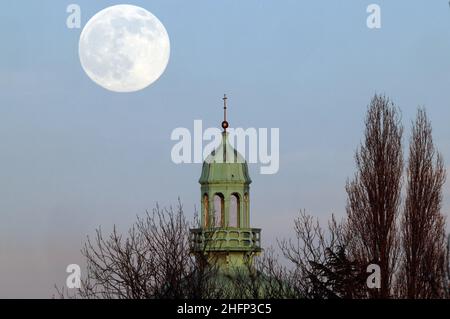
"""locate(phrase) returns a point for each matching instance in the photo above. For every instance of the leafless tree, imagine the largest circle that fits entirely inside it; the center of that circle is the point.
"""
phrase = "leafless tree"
(264, 278)
(374, 193)
(322, 268)
(277, 280)
(423, 225)
(153, 260)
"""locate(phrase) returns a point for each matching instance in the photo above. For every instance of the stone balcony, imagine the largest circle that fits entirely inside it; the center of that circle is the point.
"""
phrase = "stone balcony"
(226, 239)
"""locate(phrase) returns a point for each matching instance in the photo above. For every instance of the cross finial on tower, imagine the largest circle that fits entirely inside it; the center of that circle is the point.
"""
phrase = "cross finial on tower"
(224, 123)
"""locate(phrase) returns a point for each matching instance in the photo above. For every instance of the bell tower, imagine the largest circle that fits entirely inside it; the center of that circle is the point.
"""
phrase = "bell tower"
(224, 232)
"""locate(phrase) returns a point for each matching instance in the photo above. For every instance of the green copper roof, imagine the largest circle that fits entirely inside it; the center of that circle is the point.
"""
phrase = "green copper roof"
(225, 165)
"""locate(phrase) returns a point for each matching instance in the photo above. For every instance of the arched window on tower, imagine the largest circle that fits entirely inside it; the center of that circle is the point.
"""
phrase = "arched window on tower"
(246, 210)
(206, 210)
(234, 210)
(219, 203)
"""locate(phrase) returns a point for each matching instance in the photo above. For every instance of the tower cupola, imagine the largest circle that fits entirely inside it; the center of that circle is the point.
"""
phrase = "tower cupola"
(224, 229)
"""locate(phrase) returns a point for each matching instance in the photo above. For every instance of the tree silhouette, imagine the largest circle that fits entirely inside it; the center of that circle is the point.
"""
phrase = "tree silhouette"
(153, 261)
(374, 193)
(423, 225)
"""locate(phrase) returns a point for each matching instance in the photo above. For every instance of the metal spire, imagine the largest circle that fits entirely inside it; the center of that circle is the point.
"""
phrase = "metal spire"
(224, 123)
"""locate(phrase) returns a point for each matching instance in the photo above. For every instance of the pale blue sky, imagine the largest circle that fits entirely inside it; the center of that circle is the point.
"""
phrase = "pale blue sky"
(74, 156)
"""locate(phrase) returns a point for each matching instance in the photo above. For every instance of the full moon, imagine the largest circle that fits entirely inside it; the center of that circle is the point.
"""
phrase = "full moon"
(124, 48)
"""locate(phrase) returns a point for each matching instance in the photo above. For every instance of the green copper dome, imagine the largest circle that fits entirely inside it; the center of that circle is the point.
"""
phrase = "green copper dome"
(225, 165)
